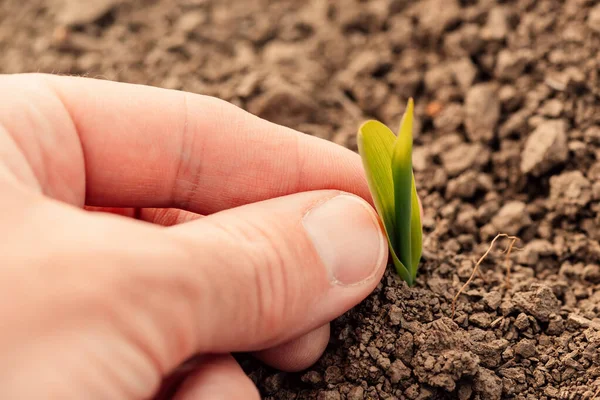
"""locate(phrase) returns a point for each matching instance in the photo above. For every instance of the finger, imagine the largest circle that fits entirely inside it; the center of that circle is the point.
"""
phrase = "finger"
(297, 354)
(274, 270)
(140, 299)
(218, 378)
(158, 216)
(123, 145)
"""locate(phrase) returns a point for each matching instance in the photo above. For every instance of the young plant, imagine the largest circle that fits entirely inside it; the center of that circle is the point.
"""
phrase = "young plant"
(387, 160)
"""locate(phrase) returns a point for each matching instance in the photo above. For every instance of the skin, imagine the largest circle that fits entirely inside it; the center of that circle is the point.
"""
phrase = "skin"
(142, 227)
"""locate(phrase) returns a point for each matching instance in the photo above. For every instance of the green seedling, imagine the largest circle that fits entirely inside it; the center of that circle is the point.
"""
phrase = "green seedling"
(387, 160)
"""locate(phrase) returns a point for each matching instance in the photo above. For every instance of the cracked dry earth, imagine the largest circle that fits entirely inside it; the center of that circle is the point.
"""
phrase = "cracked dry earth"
(508, 105)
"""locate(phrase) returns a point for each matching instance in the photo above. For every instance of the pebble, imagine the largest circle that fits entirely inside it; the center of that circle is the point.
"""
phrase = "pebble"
(76, 12)
(492, 299)
(464, 72)
(482, 112)
(398, 372)
(481, 319)
(556, 326)
(539, 303)
(464, 156)
(437, 15)
(593, 19)
(487, 384)
(522, 322)
(570, 188)
(525, 348)
(356, 393)
(511, 64)
(496, 27)
(329, 395)
(545, 148)
(511, 218)
(591, 273)
(395, 315)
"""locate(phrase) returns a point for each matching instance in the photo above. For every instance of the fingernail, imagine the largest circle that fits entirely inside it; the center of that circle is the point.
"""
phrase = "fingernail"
(347, 236)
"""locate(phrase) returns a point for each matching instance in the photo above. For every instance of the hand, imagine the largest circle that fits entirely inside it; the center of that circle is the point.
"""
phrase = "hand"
(246, 237)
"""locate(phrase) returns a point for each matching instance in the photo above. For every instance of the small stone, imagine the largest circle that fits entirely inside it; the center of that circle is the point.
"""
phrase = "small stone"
(545, 148)
(522, 322)
(356, 393)
(333, 374)
(570, 189)
(312, 377)
(556, 326)
(487, 384)
(507, 307)
(511, 218)
(591, 273)
(592, 135)
(449, 118)
(464, 156)
(511, 64)
(575, 322)
(437, 15)
(539, 378)
(539, 303)
(593, 19)
(496, 27)
(552, 392)
(531, 253)
(398, 372)
(552, 108)
(437, 76)
(482, 112)
(405, 347)
(395, 315)
(421, 158)
(464, 186)
(481, 319)
(75, 12)
(464, 72)
(492, 299)
(525, 348)
(192, 20)
(273, 383)
(464, 392)
(329, 395)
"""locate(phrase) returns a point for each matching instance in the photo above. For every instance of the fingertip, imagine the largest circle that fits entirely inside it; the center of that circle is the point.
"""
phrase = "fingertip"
(297, 354)
(219, 377)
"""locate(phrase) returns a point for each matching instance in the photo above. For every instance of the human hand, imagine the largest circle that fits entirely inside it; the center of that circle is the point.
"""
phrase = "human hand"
(100, 306)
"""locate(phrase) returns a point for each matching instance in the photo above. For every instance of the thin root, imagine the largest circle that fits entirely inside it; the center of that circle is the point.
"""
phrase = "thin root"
(508, 250)
(476, 268)
(596, 394)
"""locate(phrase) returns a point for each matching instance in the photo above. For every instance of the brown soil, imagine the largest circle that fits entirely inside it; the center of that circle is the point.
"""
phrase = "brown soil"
(508, 105)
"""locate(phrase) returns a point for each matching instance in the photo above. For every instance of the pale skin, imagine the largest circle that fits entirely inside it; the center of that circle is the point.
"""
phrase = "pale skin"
(232, 234)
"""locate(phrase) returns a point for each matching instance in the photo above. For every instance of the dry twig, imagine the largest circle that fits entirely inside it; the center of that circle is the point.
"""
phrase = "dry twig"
(508, 250)
(476, 268)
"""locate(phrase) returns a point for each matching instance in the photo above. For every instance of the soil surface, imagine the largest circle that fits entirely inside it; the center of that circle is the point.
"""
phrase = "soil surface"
(508, 105)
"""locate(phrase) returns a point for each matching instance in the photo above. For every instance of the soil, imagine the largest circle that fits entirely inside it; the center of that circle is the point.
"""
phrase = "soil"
(508, 105)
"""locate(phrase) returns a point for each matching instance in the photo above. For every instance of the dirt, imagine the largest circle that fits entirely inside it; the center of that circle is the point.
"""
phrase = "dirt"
(507, 140)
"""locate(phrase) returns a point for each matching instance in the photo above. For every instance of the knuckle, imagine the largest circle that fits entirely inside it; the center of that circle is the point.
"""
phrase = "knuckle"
(265, 264)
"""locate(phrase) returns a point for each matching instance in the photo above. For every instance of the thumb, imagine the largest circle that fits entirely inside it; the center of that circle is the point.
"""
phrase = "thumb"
(274, 270)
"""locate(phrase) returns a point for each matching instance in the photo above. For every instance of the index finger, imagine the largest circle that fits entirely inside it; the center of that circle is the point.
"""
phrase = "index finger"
(150, 147)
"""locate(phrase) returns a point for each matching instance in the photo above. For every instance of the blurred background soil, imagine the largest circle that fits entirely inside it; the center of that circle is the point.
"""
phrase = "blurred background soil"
(508, 107)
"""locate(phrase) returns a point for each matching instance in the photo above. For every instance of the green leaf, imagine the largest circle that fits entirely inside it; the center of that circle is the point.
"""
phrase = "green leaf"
(416, 231)
(387, 160)
(375, 144)
(402, 180)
